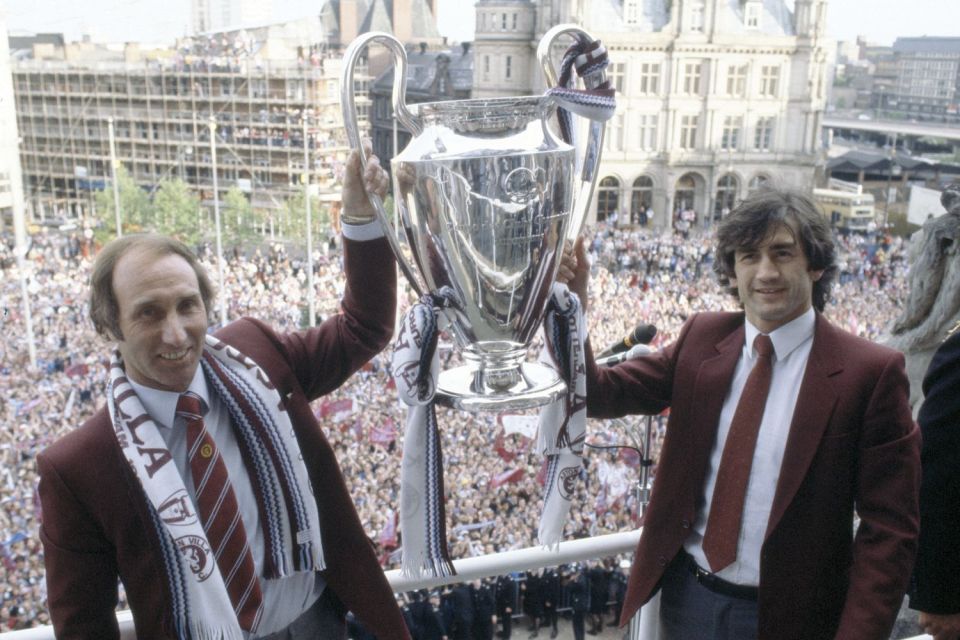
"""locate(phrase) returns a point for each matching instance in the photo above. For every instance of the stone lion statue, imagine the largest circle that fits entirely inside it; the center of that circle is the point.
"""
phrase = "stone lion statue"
(932, 308)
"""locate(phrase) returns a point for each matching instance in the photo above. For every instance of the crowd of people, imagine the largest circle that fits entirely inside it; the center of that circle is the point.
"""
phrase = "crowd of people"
(493, 490)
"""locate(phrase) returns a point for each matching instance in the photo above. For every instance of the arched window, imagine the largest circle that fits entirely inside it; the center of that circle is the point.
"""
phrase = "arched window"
(608, 198)
(727, 188)
(685, 193)
(641, 200)
(684, 201)
(758, 181)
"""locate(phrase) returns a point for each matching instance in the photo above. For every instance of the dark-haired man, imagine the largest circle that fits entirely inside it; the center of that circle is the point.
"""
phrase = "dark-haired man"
(781, 425)
(206, 485)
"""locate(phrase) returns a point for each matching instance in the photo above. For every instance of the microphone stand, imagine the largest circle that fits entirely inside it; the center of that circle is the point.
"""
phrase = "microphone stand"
(643, 491)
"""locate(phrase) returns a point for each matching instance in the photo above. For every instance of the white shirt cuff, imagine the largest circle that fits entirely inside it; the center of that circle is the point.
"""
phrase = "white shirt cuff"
(361, 232)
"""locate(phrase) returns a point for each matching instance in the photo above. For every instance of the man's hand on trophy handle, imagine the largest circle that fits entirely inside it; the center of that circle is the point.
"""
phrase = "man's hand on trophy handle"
(405, 177)
(357, 208)
(574, 269)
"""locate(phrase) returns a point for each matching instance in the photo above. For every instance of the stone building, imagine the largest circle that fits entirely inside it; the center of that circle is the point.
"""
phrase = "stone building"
(267, 90)
(928, 78)
(715, 96)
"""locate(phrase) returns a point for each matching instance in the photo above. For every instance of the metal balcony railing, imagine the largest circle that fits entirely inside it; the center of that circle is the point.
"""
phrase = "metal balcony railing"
(495, 564)
(468, 569)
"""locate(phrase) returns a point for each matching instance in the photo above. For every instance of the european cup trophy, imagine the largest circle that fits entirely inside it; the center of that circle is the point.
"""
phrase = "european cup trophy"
(487, 193)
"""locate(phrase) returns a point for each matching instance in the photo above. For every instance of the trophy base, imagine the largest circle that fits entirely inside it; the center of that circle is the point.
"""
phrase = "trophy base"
(467, 389)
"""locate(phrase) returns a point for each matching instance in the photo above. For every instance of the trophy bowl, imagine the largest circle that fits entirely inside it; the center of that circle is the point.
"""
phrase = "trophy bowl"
(485, 193)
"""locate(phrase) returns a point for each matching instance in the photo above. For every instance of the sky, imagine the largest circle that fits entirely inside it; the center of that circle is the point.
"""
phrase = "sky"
(881, 21)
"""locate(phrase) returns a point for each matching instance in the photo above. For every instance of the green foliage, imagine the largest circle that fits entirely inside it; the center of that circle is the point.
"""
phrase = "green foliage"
(293, 219)
(238, 218)
(136, 210)
(177, 208)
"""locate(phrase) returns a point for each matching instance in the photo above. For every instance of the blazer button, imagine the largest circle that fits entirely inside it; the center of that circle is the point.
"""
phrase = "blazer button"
(685, 523)
(662, 561)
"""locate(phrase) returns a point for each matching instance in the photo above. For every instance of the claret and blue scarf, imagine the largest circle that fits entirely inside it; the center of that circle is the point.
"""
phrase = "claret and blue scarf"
(288, 511)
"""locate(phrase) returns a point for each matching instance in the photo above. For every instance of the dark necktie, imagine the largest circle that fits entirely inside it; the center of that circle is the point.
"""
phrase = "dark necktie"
(726, 509)
(220, 515)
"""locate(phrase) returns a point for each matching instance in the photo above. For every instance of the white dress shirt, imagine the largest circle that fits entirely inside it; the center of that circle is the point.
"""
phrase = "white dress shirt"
(791, 344)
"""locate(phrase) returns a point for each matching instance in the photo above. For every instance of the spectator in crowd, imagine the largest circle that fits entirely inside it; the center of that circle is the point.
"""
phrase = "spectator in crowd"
(485, 610)
(577, 589)
(508, 594)
(552, 594)
(780, 425)
(227, 530)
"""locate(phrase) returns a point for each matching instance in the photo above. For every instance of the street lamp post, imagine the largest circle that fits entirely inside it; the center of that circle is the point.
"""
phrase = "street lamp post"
(311, 295)
(216, 220)
(892, 170)
(113, 174)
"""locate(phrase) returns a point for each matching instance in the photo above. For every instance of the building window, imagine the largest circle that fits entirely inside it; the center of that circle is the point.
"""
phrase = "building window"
(508, 67)
(615, 74)
(751, 15)
(613, 140)
(769, 80)
(696, 16)
(631, 12)
(737, 80)
(486, 67)
(730, 139)
(691, 78)
(758, 182)
(641, 201)
(608, 198)
(503, 23)
(514, 22)
(763, 136)
(726, 198)
(649, 78)
(648, 132)
(688, 131)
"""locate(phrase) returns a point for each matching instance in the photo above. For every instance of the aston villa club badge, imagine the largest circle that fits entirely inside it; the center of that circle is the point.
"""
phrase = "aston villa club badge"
(199, 554)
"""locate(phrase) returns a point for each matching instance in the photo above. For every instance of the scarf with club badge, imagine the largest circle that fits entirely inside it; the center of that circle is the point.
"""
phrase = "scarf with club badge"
(563, 423)
(416, 365)
(201, 607)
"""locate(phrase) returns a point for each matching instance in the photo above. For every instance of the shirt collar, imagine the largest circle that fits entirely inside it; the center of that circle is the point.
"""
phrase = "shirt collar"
(162, 405)
(786, 338)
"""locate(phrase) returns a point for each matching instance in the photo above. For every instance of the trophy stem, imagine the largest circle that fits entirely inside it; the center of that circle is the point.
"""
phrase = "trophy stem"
(498, 382)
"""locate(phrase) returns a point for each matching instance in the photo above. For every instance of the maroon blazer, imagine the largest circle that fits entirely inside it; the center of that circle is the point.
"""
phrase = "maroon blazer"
(96, 522)
(852, 444)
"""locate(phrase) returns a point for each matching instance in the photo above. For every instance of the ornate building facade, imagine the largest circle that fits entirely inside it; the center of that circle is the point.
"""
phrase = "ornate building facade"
(715, 97)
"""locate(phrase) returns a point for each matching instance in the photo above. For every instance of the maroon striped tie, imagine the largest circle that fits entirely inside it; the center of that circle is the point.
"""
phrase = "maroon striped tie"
(729, 493)
(221, 515)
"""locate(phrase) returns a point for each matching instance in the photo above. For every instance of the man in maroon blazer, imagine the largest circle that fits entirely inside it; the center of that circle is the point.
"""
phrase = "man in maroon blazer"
(833, 435)
(101, 517)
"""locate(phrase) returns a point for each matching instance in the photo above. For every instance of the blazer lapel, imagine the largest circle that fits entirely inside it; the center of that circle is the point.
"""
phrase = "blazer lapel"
(710, 390)
(815, 403)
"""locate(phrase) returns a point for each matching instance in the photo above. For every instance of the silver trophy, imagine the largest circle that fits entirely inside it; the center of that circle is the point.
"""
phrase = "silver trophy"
(486, 193)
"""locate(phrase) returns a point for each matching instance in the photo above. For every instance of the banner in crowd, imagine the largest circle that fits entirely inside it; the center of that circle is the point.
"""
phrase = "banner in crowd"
(383, 434)
(336, 410)
(504, 477)
(526, 426)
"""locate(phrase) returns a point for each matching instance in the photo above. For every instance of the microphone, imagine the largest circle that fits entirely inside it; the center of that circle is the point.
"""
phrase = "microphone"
(635, 351)
(642, 334)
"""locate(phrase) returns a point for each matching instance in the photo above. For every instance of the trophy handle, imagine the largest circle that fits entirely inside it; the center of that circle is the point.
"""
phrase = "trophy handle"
(589, 151)
(349, 108)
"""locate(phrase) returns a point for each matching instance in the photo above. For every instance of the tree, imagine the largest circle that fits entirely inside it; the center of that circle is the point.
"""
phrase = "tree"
(294, 222)
(136, 210)
(237, 218)
(177, 208)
